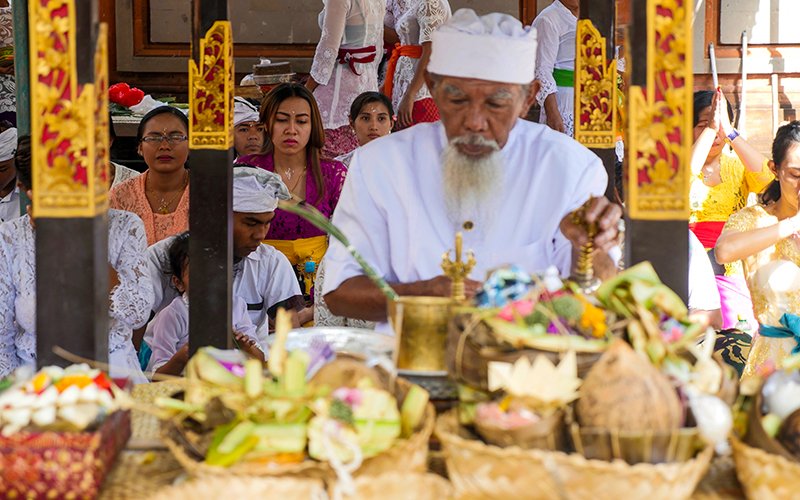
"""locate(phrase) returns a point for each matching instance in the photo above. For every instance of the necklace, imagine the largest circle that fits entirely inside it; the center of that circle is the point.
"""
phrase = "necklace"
(288, 173)
(164, 204)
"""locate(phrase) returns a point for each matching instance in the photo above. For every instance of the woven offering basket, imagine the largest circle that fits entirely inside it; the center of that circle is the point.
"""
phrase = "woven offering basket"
(402, 486)
(407, 455)
(636, 447)
(471, 346)
(764, 475)
(478, 470)
(245, 487)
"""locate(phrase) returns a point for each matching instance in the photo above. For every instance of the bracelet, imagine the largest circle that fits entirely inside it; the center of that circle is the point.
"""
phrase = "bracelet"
(732, 136)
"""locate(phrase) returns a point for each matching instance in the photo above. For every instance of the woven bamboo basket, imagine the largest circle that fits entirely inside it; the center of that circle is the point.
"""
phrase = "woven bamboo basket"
(407, 455)
(471, 346)
(636, 447)
(478, 470)
(765, 476)
(245, 487)
(402, 486)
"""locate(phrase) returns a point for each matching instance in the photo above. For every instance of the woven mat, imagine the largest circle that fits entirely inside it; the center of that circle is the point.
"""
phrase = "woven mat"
(144, 426)
(140, 474)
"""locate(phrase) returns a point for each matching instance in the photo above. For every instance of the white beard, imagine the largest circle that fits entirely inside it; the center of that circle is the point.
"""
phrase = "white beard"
(472, 186)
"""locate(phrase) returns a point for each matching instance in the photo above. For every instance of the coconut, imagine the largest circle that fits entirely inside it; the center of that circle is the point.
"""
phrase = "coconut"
(624, 391)
(789, 434)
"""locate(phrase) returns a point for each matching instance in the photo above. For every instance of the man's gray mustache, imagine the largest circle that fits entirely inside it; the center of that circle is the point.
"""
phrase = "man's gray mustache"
(475, 140)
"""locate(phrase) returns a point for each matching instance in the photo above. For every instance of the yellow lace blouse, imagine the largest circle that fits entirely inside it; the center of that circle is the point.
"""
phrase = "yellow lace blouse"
(715, 204)
(773, 277)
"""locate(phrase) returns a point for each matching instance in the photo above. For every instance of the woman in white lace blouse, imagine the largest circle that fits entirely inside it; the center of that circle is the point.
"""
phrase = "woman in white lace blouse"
(130, 299)
(345, 65)
(414, 21)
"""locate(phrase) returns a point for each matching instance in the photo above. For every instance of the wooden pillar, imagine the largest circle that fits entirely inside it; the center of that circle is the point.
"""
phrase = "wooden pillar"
(596, 84)
(659, 138)
(69, 141)
(211, 141)
(22, 78)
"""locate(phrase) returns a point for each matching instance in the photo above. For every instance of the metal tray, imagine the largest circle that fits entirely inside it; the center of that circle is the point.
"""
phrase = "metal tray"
(357, 341)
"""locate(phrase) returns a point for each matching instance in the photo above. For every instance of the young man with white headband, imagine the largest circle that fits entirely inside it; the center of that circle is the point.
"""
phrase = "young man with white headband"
(248, 132)
(9, 191)
(262, 276)
(511, 185)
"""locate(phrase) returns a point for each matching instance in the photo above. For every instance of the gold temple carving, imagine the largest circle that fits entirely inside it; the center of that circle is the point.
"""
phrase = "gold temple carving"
(211, 90)
(659, 138)
(69, 134)
(596, 89)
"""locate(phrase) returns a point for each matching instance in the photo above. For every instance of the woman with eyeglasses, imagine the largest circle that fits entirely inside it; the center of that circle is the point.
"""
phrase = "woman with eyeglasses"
(160, 196)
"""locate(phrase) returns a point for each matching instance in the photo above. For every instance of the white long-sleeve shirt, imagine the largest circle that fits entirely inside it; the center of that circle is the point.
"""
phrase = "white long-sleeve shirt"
(170, 329)
(392, 207)
(555, 34)
(130, 301)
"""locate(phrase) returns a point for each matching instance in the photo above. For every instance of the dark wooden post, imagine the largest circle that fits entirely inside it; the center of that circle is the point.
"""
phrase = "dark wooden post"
(659, 139)
(69, 139)
(596, 84)
(210, 134)
(22, 77)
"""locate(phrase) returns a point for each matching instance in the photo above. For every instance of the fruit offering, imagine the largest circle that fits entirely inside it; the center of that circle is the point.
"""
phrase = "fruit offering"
(76, 398)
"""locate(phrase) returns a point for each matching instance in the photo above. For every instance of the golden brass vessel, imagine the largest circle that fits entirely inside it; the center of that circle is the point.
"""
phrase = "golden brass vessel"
(420, 323)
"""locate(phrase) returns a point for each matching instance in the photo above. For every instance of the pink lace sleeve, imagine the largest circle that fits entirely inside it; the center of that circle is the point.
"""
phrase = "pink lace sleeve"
(336, 175)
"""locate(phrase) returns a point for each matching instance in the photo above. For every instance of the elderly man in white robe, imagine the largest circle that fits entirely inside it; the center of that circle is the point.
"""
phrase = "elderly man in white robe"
(515, 183)
(262, 276)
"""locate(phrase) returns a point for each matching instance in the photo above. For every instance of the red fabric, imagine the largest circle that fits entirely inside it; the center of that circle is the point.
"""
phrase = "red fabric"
(707, 232)
(424, 110)
(352, 56)
(412, 51)
(339, 141)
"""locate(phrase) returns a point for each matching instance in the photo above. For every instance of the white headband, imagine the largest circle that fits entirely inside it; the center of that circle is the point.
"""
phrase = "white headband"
(256, 190)
(243, 111)
(8, 144)
(495, 47)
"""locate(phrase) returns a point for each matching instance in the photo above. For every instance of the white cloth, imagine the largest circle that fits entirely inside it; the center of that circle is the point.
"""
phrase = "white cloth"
(8, 143)
(256, 191)
(703, 291)
(122, 174)
(393, 211)
(555, 30)
(495, 47)
(323, 315)
(263, 279)
(9, 206)
(346, 24)
(243, 111)
(130, 301)
(414, 21)
(169, 330)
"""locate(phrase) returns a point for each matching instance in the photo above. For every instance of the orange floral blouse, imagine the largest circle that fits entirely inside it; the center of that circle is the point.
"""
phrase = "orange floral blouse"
(130, 196)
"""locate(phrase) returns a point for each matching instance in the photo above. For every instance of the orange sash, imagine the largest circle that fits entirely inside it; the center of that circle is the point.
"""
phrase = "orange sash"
(412, 51)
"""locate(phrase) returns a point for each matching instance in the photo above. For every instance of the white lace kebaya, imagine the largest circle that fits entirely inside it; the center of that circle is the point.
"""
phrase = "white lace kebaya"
(130, 301)
(346, 24)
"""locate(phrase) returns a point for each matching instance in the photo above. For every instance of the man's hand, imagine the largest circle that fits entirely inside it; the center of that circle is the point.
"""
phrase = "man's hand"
(442, 286)
(248, 345)
(606, 215)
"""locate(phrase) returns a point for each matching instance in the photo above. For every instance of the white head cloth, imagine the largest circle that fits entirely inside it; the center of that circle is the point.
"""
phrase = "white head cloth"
(495, 47)
(256, 190)
(8, 144)
(243, 111)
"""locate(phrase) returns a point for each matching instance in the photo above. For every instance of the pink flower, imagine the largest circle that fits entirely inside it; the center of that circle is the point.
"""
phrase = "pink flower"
(515, 309)
(348, 396)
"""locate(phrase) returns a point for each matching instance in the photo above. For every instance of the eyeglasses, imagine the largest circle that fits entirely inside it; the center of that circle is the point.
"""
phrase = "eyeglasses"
(158, 139)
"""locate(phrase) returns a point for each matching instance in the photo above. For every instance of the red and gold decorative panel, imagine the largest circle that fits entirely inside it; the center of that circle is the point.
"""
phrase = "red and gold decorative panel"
(211, 91)
(660, 117)
(596, 89)
(70, 168)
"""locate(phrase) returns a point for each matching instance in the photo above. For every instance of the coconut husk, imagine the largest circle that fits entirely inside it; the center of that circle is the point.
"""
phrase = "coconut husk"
(625, 392)
(764, 475)
(789, 434)
(757, 436)
(471, 346)
(479, 470)
(546, 434)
